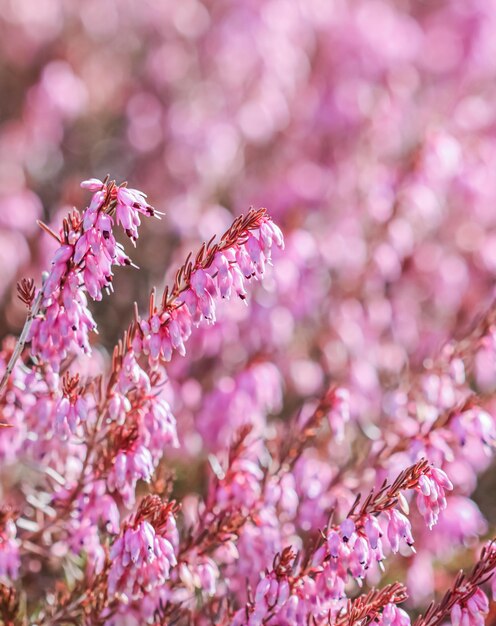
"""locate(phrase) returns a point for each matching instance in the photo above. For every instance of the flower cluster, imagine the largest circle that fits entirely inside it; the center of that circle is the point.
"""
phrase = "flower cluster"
(144, 553)
(358, 542)
(221, 271)
(83, 265)
(431, 499)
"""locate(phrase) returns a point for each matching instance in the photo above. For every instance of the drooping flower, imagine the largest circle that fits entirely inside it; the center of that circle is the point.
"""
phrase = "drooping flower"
(393, 615)
(131, 464)
(431, 494)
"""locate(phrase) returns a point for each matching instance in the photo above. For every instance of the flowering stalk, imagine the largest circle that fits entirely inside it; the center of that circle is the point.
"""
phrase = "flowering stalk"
(465, 601)
(314, 587)
(354, 544)
(219, 269)
(59, 320)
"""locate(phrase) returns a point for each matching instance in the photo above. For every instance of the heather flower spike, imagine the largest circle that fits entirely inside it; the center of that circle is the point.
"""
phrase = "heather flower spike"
(220, 269)
(59, 321)
(144, 553)
(465, 602)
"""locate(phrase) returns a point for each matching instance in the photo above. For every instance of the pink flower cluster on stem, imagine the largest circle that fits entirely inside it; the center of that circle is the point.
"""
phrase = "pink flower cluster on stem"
(295, 593)
(218, 270)
(144, 553)
(83, 265)
(465, 602)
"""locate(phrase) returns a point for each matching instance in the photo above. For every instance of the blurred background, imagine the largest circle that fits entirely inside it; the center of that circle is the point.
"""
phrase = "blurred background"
(366, 127)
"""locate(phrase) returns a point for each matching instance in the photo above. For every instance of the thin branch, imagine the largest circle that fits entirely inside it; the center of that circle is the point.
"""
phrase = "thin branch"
(21, 342)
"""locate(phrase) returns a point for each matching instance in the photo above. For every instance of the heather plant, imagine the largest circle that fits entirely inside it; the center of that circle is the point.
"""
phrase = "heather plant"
(259, 545)
(319, 448)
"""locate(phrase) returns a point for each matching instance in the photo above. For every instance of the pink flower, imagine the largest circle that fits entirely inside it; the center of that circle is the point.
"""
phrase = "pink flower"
(68, 414)
(372, 530)
(131, 465)
(129, 204)
(200, 575)
(270, 595)
(9, 551)
(92, 184)
(392, 615)
(398, 528)
(347, 528)
(84, 538)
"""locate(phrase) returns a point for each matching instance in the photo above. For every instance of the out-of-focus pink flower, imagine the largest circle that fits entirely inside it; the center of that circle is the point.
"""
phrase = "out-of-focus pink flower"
(10, 560)
(339, 412)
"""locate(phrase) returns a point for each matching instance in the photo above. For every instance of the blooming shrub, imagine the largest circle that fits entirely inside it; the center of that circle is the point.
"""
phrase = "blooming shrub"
(102, 502)
(308, 443)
